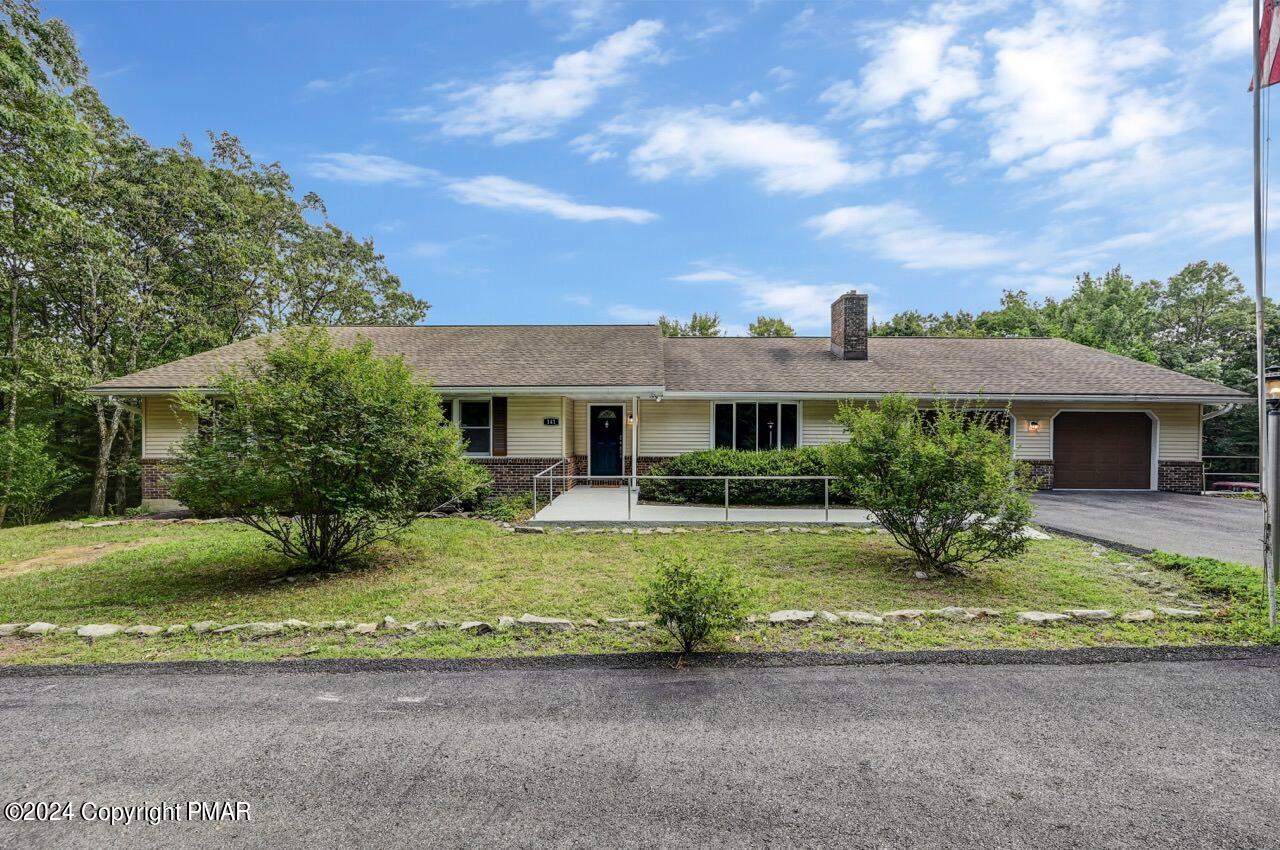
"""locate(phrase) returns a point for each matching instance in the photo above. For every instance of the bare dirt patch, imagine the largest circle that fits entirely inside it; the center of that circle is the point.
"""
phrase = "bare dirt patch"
(71, 556)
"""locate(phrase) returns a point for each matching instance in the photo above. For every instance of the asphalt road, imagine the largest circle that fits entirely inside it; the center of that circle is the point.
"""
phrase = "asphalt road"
(1105, 755)
(1212, 526)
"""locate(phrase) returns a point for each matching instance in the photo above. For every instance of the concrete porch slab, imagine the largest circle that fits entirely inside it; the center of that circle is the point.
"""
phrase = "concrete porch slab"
(585, 505)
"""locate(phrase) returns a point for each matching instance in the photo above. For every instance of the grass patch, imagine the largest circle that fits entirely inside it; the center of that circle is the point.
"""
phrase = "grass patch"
(464, 569)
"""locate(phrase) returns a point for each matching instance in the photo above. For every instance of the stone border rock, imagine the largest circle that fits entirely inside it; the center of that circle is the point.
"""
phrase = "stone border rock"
(390, 626)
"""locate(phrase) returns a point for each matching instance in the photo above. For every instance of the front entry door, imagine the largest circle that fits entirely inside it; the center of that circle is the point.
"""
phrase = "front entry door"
(606, 439)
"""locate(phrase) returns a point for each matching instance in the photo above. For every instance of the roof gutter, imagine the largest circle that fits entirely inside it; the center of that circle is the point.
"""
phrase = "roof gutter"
(1126, 398)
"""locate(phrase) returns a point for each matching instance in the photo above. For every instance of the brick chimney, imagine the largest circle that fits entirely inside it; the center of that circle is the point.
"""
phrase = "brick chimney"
(849, 326)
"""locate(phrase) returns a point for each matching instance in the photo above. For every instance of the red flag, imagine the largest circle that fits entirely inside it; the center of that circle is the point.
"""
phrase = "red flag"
(1268, 40)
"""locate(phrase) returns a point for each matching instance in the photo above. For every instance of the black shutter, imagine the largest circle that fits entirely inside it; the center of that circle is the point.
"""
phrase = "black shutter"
(500, 426)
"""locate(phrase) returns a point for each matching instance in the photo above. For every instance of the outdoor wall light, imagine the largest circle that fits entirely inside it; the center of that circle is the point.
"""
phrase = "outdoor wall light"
(631, 420)
(1034, 426)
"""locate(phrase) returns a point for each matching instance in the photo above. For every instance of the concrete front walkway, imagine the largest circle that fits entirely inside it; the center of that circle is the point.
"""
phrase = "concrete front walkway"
(584, 504)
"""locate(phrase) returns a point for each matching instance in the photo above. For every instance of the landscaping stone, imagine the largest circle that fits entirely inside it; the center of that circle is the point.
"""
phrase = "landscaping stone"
(390, 623)
(505, 622)
(1140, 616)
(791, 616)
(553, 624)
(861, 618)
(177, 629)
(476, 627)
(7, 629)
(828, 616)
(902, 615)
(615, 621)
(1175, 613)
(144, 630)
(638, 624)
(920, 574)
(1090, 614)
(954, 613)
(38, 629)
(341, 625)
(363, 629)
(104, 524)
(99, 630)
(295, 624)
(203, 626)
(1040, 617)
(1030, 533)
(530, 529)
(983, 612)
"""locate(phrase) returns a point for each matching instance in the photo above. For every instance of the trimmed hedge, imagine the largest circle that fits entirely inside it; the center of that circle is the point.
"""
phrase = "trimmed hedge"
(807, 460)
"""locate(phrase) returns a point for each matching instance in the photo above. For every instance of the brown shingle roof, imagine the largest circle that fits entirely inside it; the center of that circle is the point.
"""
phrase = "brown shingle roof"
(463, 356)
(637, 356)
(992, 367)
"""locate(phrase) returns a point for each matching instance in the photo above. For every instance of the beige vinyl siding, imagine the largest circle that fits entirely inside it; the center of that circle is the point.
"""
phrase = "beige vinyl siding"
(527, 436)
(674, 427)
(566, 420)
(163, 426)
(580, 431)
(1180, 434)
(819, 424)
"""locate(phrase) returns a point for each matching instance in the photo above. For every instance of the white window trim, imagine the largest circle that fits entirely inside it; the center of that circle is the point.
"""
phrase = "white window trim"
(711, 431)
(457, 420)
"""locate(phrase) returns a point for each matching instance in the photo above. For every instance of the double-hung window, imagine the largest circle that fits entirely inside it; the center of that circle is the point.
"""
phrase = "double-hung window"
(475, 418)
(756, 426)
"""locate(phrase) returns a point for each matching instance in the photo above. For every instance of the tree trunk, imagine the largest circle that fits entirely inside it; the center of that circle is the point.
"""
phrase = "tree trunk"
(124, 460)
(108, 428)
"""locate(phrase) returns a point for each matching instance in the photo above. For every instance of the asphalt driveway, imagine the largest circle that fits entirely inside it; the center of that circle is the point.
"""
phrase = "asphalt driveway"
(1215, 527)
(1140, 754)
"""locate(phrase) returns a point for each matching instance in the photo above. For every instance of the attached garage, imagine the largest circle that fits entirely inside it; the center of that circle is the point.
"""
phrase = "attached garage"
(1102, 451)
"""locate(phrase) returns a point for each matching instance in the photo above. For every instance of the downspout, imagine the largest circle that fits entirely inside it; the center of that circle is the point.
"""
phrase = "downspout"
(635, 438)
(1223, 410)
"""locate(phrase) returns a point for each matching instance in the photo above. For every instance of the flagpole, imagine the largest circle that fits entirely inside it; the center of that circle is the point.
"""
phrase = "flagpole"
(1264, 462)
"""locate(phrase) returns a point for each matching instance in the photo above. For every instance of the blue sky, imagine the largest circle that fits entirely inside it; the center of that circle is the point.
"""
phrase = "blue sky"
(600, 162)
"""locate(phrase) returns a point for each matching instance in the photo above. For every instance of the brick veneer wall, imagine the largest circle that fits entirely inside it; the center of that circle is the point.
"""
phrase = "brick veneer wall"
(1180, 476)
(1041, 473)
(513, 475)
(155, 479)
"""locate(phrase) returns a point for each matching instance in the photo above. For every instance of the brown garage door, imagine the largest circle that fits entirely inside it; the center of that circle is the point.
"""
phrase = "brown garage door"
(1102, 450)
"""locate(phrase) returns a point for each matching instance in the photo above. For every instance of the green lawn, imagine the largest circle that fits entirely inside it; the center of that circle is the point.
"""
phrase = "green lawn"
(156, 573)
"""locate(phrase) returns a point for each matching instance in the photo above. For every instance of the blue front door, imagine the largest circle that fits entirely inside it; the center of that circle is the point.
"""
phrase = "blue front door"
(606, 439)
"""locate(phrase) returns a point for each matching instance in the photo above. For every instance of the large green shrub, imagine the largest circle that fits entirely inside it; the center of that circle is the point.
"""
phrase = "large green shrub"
(326, 450)
(943, 482)
(34, 476)
(691, 601)
(809, 460)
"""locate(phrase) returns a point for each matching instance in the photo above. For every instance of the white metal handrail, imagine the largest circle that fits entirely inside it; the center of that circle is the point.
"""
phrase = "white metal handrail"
(565, 477)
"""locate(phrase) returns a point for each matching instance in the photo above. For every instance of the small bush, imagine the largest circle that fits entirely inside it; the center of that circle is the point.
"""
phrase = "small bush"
(943, 482)
(691, 601)
(515, 508)
(808, 460)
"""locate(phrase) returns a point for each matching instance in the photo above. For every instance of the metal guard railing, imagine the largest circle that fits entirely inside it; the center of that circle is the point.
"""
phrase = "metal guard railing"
(565, 477)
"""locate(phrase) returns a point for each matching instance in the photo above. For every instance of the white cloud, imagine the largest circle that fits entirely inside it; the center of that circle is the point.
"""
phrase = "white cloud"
(1227, 31)
(366, 168)
(338, 84)
(593, 147)
(911, 163)
(631, 313)
(902, 234)
(804, 306)
(912, 60)
(504, 193)
(429, 250)
(1061, 94)
(784, 157)
(526, 104)
(580, 300)
(582, 16)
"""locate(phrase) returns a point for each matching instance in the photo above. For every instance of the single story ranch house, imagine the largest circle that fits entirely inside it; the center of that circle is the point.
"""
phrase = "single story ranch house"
(607, 399)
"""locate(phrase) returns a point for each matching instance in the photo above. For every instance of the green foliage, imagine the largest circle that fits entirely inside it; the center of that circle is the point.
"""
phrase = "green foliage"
(514, 508)
(326, 450)
(699, 324)
(691, 601)
(37, 479)
(807, 460)
(769, 326)
(942, 482)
